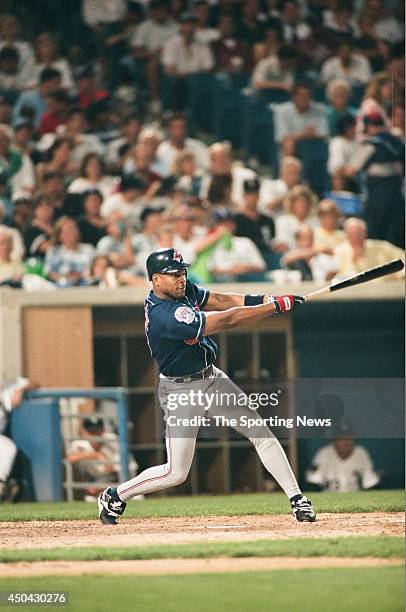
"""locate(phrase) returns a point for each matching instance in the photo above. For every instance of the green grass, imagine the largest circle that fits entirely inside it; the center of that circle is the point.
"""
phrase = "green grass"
(210, 505)
(326, 590)
(380, 546)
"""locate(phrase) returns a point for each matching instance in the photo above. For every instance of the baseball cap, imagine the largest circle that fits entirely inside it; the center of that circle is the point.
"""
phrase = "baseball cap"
(252, 185)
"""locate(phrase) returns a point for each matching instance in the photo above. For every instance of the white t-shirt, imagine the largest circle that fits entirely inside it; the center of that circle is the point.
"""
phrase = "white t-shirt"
(359, 70)
(242, 250)
(197, 57)
(107, 185)
(343, 475)
(340, 150)
(167, 153)
(286, 227)
(129, 211)
(271, 189)
(152, 35)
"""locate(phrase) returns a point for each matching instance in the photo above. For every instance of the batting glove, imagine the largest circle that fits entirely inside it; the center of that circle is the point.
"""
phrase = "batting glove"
(286, 303)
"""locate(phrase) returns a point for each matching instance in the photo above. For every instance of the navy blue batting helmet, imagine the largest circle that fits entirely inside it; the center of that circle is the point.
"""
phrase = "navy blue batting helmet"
(165, 261)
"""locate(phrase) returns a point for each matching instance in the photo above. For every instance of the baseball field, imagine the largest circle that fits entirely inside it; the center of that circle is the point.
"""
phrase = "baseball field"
(209, 552)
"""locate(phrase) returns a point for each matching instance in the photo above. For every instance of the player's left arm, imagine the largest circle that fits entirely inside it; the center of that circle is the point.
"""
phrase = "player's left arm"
(224, 301)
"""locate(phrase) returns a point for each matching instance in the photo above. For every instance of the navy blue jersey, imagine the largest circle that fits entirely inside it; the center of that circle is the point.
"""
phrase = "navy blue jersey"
(175, 332)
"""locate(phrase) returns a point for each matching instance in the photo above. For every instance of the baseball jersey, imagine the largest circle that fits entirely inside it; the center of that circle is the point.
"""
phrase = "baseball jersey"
(175, 332)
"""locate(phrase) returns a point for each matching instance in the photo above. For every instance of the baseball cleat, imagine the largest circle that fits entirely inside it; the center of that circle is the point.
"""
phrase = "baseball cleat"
(302, 510)
(109, 509)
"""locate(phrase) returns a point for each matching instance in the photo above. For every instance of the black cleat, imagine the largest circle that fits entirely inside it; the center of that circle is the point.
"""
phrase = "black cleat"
(109, 509)
(302, 510)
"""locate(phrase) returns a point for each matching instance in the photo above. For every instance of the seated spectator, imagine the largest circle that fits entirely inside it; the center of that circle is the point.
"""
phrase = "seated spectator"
(327, 235)
(52, 186)
(313, 262)
(12, 80)
(340, 150)
(93, 176)
(271, 42)
(249, 26)
(231, 54)
(75, 129)
(273, 192)
(379, 160)
(294, 29)
(67, 263)
(22, 214)
(377, 99)
(204, 32)
(235, 258)
(188, 177)
(219, 191)
(179, 142)
(300, 203)
(88, 88)
(222, 165)
(23, 144)
(119, 147)
(357, 253)
(92, 225)
(11, 397)
(151, 138)
(147, 240)
(117, 245)
(148, 42)
(391, 28)
(11, 270)
(276, 71)
(102, 120)
(47, 56)
(58, 161)
(252, 224)
(338, 93)
(38, 236)
(299, 119)
(15, 170)
(182, 56)
(31, 104)
(56, 112)
(342, 466)
(339, 23)
(347, 66)
(126, 205)
(10, 30)
(106, 276)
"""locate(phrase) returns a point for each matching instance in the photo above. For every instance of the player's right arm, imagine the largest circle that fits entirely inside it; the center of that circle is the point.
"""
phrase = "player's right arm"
(246, 315)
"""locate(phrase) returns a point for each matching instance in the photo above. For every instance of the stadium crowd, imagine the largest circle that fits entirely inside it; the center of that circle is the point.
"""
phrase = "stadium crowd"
(104, 157)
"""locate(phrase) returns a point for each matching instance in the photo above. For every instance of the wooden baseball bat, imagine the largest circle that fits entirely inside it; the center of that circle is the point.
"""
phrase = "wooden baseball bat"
(357, 279)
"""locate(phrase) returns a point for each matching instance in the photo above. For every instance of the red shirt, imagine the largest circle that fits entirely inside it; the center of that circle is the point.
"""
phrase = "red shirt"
(49, 122)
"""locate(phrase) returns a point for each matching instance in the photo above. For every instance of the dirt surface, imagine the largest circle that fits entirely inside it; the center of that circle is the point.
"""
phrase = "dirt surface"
(184, 566)
(144, 532)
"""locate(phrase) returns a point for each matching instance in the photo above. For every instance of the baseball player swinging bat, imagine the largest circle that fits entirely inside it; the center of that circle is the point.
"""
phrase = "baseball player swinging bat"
(362, 277)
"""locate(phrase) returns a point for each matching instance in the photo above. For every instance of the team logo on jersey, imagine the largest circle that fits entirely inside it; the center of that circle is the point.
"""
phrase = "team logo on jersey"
(177, 256)
(183, 314)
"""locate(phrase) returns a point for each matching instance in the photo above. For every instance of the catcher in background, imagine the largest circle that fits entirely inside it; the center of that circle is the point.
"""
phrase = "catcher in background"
(180, 319)
(342, 466)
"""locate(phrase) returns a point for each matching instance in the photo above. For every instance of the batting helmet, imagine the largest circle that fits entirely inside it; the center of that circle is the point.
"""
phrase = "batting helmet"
(165, 261)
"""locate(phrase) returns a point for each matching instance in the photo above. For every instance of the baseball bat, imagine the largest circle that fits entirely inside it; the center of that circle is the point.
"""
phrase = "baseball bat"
(357, 279)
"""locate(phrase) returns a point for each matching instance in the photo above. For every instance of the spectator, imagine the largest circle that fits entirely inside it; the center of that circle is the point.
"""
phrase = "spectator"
(188, 177)
(10, 269)
(338, 93)
(299, 119)
(68, 262)
(75, 129)
(380, 161)
(237, 258)
(398, 119)
(357, 253)
(377, 99)
(93, 176)
(47, 56)
(139, 164)
(151, 138)
(341, 149)
(179, 142)
(342, 466)
(276, 71)
(88, 89)
(294, 29)
(117, 245)
(148, 42)
(391, 28)
(58, 161)
(231, 54)
(119, 147)
(53, 187)
(15, 170)
(204, 33)
(313, 262)
(38, 236)
(273, 192)
(11, 397)
(106, 11)
(10, 29)
(260, 229)
(147, 241)
(183, 56)
(347, 65)
(327, 234)
(31, 104)
(126, 205)
(338, 22)
(12, 80)
(222, 165)
(106, 276)
(219, 190)
(56, 112)
(249, 26)
(91, 224)
(300, 203)
(272, 40)
(23, 143)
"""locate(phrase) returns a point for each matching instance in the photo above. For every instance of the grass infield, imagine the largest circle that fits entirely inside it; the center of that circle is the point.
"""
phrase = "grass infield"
(329, 590)
(379, 546)
(209, 505)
